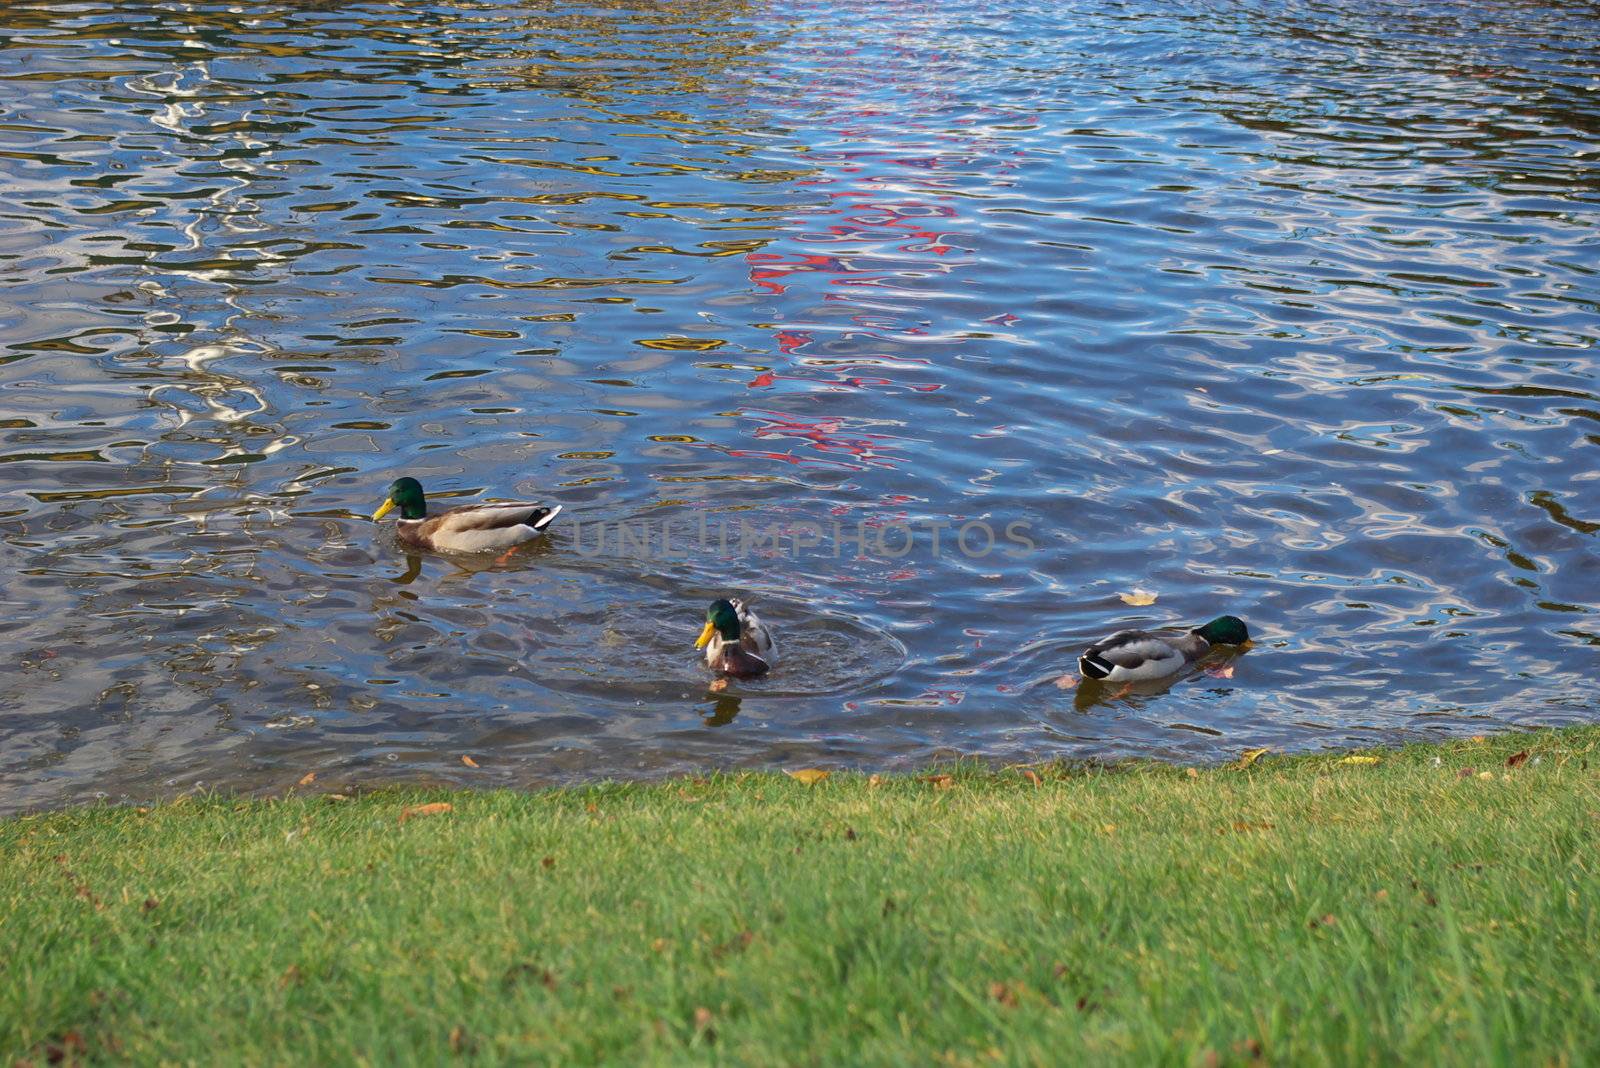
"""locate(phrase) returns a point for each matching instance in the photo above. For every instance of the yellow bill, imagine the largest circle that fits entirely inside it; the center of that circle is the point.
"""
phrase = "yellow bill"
(388, 505)
(705, 635)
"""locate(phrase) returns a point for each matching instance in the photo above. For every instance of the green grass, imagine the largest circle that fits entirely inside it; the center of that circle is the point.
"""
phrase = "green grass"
(1300, 911)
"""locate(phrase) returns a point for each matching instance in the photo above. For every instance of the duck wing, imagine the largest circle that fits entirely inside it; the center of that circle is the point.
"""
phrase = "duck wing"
(1129, 655)
(754, 635)
(480, 517)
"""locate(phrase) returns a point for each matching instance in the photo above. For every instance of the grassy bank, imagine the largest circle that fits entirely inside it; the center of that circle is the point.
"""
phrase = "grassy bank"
(1296, 911)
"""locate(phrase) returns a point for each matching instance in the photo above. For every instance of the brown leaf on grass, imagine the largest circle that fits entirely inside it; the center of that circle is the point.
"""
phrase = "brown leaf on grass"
(1517, 758)
(1360, 760)
(1004, 993)
(461, 1043)
(1328, 920)
(308, 778)
(939, 782)
(1138, 598)
(547, 862)
(468, 761)
(1032, 776)
(67, 1047)
(1250, 756)
(1193, 773)
(1478, 739)
(1381, 895)
(874, 781)
(1249, 1048)
(291, 976)
(702, 1023)
(737, 944)
(432, 808)
(808, 776)
(151, 904)
(1210, 1059)
(850, 834)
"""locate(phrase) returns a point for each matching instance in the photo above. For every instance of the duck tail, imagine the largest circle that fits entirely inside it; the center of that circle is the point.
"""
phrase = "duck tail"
(1093, 667)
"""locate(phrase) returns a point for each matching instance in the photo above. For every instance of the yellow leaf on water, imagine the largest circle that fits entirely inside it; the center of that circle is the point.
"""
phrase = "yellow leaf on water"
(1250, 756)
(433, 808)
(308, 778)
(1138, 597)
(468, 761)
(1360, 760)
(809, 776)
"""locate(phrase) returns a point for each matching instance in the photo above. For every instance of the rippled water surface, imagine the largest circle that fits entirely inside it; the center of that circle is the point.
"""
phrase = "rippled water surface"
(1286, 310)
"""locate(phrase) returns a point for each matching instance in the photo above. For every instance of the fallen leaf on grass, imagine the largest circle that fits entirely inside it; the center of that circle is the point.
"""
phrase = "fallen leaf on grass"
(1108, 828)
(1032, 776)
(939, 782)
(874, 781)
(1193, 773)
(1466, 773)
(308, 778)
(1250, 756)
(1485, 774)
(468, 761)
(808, 776)
(432, 808)
(1360, 760)
(1516, 758)
(1478, 739)
(1138, 597)
(291, 976)
(460, 1041)
(1329, 920)
(1004, 993)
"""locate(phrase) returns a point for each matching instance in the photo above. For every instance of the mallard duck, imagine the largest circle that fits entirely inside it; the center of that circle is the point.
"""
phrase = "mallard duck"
(470, 528)
(1136, 655)
(735, 641)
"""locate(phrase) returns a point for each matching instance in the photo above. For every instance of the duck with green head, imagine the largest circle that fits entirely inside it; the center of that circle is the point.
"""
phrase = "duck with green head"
(1139, 655)
(735, 640)
(469, 528)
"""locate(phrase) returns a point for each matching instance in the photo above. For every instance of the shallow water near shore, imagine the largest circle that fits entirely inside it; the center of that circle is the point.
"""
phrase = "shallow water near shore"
(1288, 313)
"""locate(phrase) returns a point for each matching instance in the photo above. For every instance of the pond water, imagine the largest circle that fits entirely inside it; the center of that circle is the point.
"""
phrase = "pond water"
(1287, 311)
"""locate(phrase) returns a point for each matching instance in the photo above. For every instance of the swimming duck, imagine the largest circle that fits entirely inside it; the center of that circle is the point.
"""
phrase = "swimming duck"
(470, 528)
(1135, 655)
(735, 641)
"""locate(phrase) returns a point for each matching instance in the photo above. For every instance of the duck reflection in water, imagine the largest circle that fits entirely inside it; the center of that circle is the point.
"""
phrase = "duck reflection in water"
(724, 707)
